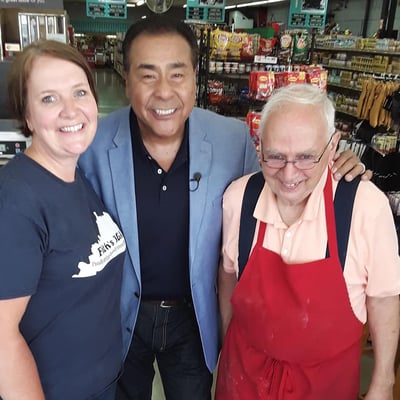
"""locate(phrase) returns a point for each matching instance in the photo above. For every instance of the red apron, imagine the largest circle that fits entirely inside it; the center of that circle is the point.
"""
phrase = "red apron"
(293, 334)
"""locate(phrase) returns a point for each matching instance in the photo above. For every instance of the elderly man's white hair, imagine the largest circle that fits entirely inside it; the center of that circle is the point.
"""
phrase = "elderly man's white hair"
(300, 94)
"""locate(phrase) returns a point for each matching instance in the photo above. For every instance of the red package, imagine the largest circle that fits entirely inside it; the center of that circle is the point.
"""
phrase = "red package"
(266, 46)
(253, 122)
(286, 78)
(215, 91)
(261, 84)
(318, 77)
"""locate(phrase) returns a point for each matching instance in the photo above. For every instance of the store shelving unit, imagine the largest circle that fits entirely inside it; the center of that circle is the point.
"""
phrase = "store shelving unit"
(351, 60)
(118, 58)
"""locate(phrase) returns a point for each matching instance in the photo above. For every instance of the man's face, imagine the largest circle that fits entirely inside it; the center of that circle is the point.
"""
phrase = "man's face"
(294, 132)
(161, 84)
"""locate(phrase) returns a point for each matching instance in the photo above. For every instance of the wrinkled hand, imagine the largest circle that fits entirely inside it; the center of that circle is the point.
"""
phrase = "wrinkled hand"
(347, 164)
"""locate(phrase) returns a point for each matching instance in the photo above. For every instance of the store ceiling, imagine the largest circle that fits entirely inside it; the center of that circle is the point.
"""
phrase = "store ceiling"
(182, 2)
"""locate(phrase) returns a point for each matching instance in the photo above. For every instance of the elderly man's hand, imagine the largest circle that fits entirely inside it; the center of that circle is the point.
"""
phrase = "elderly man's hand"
(347, 164)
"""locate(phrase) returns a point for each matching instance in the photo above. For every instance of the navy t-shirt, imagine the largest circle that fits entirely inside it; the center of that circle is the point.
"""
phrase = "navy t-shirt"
(59, 246)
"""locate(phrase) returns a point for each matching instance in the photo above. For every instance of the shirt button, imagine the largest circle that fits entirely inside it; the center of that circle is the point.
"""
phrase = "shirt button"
(284, 251)
(288, 234)
(149, 157)
(164, 188)
(159, 171)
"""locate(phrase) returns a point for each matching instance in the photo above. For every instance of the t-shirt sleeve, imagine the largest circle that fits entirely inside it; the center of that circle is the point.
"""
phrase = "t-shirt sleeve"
(373, 254)
(231, 211)
(383, 263)
(21, 252)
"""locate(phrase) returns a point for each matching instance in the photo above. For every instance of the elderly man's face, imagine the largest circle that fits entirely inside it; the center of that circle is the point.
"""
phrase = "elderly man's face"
(294, 132)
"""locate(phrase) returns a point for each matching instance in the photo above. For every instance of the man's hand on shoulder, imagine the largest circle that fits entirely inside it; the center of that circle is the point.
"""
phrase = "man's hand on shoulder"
(347, 164)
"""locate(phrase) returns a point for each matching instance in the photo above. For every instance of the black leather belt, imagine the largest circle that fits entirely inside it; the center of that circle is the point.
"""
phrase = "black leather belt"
(167, 303)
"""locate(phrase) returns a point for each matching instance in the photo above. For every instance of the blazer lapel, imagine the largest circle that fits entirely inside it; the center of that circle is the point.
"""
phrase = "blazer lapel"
(200, 162)
(123, 181)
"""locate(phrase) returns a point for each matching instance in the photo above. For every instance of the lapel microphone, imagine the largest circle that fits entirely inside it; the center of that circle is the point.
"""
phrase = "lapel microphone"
(196, 178)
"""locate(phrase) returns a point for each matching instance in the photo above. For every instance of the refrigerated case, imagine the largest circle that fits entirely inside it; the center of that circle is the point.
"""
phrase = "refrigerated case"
(12, 141)
(34, 26)
(19, 28)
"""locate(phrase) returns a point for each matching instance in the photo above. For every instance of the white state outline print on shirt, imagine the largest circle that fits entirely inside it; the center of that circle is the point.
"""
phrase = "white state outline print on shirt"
(109, 245)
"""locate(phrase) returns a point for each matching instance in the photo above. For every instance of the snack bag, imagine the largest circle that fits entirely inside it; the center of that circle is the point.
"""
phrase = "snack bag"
(285, 48)
(236, 41)
(266, 47)
(301, 47)
(286, 78)
(219, 44)
(261, 84)
(318, 77)
(253, 122)
(247, 47)
(215, 91)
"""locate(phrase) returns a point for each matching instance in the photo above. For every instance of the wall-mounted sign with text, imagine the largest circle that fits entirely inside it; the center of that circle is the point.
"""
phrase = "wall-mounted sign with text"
(36, 4)
(212, 11)
(106, 8)
(305, 14)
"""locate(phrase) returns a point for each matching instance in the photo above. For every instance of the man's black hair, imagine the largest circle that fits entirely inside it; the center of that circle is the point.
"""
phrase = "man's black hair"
(155, 25)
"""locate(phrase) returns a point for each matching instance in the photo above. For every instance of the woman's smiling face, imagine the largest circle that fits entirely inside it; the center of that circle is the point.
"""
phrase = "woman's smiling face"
(61, 110)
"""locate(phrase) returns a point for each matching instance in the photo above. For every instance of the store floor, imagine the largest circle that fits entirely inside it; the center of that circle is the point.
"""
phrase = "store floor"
(111, 91)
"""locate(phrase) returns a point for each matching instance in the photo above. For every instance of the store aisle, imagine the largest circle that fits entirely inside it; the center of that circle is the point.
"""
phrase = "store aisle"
(110, 89)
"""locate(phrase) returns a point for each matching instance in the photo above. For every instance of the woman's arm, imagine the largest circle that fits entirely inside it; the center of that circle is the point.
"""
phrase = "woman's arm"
(19, 377)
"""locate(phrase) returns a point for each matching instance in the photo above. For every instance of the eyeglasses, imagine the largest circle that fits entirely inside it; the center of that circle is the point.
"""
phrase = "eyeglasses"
(304, 162)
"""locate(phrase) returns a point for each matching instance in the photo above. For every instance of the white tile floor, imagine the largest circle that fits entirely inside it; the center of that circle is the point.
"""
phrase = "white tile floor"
(158, 393)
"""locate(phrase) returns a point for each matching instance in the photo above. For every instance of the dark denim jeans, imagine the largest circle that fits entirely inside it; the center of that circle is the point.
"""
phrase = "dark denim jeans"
(171, 336)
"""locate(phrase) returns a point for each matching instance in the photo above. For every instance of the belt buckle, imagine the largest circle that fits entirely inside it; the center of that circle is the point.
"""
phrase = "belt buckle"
(163, 305)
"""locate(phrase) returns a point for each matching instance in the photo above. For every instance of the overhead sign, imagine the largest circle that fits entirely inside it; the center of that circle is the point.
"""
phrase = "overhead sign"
(304, 14)
(212, 11)
(36, 4)
(106, 8)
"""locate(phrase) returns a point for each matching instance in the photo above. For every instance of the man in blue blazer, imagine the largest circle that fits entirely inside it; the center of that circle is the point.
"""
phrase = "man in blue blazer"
(169, 277)
(161, 167)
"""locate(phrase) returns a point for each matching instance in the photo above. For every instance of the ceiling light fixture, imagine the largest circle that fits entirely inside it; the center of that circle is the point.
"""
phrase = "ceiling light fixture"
(253, 3)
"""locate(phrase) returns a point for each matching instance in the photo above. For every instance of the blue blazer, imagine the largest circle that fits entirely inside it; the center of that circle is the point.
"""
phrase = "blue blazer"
(221, 150)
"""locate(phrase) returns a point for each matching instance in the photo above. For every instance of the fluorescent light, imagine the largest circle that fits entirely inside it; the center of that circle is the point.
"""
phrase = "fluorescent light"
(253, 3)
(136, 4)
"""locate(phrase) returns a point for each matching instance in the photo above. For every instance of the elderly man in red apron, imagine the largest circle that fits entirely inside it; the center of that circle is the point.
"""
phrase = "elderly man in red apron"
(323, 256)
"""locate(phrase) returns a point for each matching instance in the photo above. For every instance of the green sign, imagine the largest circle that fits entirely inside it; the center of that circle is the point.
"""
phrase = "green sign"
(106, 8)
(212, 11)
(305, 14)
